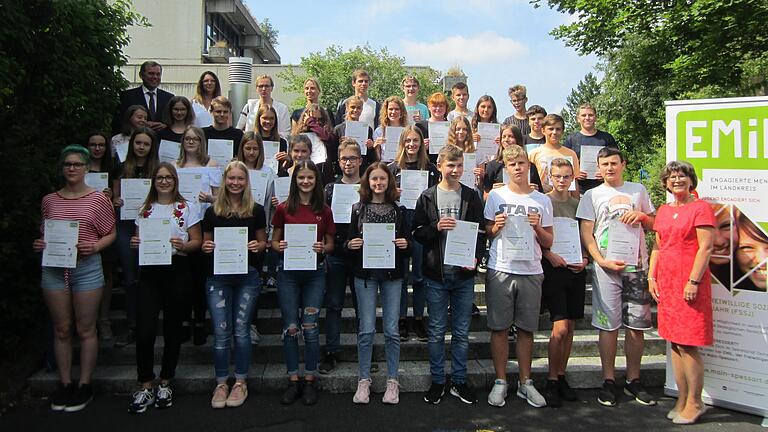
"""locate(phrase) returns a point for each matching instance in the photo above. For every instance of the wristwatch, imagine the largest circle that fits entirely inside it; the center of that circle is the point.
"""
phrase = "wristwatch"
(693, 282)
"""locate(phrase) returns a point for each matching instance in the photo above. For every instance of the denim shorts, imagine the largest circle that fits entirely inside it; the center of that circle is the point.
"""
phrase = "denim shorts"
(87, 276)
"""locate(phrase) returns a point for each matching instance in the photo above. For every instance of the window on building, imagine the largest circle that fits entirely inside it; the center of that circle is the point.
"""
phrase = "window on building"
(218, 29)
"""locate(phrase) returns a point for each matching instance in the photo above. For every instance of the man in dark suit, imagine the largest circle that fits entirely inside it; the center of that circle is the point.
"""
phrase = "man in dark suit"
(147, 95)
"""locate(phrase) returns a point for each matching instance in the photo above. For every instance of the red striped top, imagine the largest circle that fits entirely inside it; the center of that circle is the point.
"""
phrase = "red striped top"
(93, 211)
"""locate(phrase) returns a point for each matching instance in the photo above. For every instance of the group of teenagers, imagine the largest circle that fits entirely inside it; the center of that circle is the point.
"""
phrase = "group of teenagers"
(534, 174)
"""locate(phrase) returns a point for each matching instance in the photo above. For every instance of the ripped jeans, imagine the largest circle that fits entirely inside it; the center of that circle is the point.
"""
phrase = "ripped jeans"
(231, 301)
(301, 290)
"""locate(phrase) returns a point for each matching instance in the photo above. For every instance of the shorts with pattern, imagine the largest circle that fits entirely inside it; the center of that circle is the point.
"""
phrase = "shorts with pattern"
(620, 299)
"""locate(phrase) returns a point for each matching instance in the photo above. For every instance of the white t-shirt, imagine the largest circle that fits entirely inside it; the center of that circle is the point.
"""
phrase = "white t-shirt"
(455, 114)
(203, 117)
(211, 177)
(182, 216)
(248, 117)
(504, 200)
(604, 204)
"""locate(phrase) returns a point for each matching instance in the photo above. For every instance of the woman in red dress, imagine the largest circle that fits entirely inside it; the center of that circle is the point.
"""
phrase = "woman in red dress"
(680, 283)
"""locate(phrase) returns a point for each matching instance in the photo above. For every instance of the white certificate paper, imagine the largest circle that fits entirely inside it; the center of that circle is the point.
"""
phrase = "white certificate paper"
(121, 149)
(168, 151)
(460, 244)
(271, 148)
(358, 131)
(567, 242)
(378, 245)
(470, 163)
(221, 151)
(231, 253)
(190, 184)
(391, 142)
(98, 181)
(588, 160)
(486, 148)
(259, 182)
(624, 242)
(133, 192)
(517, 239)
(344, 196)
(299, 254)
(155, 246)
(282, 187)
(438, 136)
(60, 237)
(412, 183)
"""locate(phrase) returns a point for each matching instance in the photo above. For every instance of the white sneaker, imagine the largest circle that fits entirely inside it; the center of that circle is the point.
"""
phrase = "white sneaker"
(392, 394)
(498, 395)
(255, 337)
(363, 393)
(528, 392)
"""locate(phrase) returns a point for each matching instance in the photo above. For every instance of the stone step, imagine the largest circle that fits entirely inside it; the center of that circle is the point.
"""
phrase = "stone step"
(583, 372)
(270, 320)
(268, 297)
(270, 349)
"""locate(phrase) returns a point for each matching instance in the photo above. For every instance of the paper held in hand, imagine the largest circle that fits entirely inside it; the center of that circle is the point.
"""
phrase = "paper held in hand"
(60, 238)
(460, 244)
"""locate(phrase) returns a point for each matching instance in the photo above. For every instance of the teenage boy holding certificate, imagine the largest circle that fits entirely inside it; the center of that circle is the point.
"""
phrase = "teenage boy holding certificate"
(519, 224)
(620, 294)
(441, 212)
(339, 273)
(564, 281)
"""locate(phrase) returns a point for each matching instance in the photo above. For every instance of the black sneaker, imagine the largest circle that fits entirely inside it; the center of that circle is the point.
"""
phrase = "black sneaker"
(126, 338)
(419, 327)
(164, 396)
(142, 400)
(636, 390)
(82, 396)
(328, 364)
(61, 396)
(374, 367)
(475, 310)
(552, 395)
(309, 393)
(607, 395)
(403, 327)
(271, 282)
(565, 390)
(512, 336)
(292, 393)
(435, 394)
(464, 393)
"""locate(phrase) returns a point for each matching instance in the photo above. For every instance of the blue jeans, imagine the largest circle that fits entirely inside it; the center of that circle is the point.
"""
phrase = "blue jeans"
(301, 289)
(416, 276)
(335, 288)
(459, 294)
(231, 300)
(365, 290)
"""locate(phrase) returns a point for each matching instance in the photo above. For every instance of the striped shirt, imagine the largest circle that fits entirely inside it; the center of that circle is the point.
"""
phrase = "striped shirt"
(93, 211)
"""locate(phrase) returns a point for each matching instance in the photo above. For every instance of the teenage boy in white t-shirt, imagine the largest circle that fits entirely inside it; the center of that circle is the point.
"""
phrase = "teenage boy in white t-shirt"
(513, 282)
(460, 96)
(620, 296)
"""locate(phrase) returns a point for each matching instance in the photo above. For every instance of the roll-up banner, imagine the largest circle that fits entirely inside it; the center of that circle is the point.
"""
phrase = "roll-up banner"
(726, 140)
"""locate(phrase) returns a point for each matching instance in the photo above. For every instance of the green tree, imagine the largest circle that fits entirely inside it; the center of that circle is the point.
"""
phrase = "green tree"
(270, 32)
(334, 67)
(586, 91)
(59, 79)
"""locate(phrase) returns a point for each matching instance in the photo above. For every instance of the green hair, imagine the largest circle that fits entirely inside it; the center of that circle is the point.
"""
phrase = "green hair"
(77, 149)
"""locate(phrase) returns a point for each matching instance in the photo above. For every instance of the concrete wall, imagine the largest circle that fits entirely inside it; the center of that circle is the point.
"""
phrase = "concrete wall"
(176, 35)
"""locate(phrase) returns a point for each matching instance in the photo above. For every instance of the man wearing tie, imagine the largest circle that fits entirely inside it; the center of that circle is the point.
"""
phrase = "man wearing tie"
(147, 95)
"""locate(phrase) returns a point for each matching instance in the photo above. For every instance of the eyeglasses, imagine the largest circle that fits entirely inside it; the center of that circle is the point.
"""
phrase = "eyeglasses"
(192, 139)
(346, 159)
(164, 179)
(76, 165)
(678, 177)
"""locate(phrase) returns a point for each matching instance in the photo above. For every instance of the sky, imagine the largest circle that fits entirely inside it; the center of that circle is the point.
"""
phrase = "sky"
(497, 43)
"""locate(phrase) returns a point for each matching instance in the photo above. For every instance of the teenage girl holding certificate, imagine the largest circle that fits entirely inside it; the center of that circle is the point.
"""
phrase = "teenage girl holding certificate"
(392, 113)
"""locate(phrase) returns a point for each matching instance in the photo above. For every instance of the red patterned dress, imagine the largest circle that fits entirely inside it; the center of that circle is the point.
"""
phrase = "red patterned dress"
(681, 322)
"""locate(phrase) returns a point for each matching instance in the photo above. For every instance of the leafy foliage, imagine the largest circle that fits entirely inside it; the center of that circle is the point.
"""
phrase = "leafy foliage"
(270, 32)
(654, 51)
(59, 79)
(334, 67)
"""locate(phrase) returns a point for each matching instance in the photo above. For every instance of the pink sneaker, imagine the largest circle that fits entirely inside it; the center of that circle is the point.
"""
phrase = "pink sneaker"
(392, 394)
(220, 395)
(363, 393)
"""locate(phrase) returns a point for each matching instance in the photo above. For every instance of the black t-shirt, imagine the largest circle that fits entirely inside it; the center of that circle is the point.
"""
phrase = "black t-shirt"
(169, 135)
(233, 134)
(528, 139)
(494, 173)
(576, 140)
(256, 222)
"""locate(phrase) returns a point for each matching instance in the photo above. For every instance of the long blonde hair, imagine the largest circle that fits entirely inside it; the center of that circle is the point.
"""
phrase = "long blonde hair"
(422, 160)
(468, 146)
(223, 206)
(202, 149)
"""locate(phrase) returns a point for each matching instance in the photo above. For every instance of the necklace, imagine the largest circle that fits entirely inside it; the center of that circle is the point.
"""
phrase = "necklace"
(681, 204)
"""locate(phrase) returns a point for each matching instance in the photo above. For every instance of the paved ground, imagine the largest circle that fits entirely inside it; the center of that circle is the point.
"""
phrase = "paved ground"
(336, 412)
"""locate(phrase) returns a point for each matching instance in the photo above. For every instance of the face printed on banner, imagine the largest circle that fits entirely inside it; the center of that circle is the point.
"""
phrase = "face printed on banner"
(751, 254)
(721, 241)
